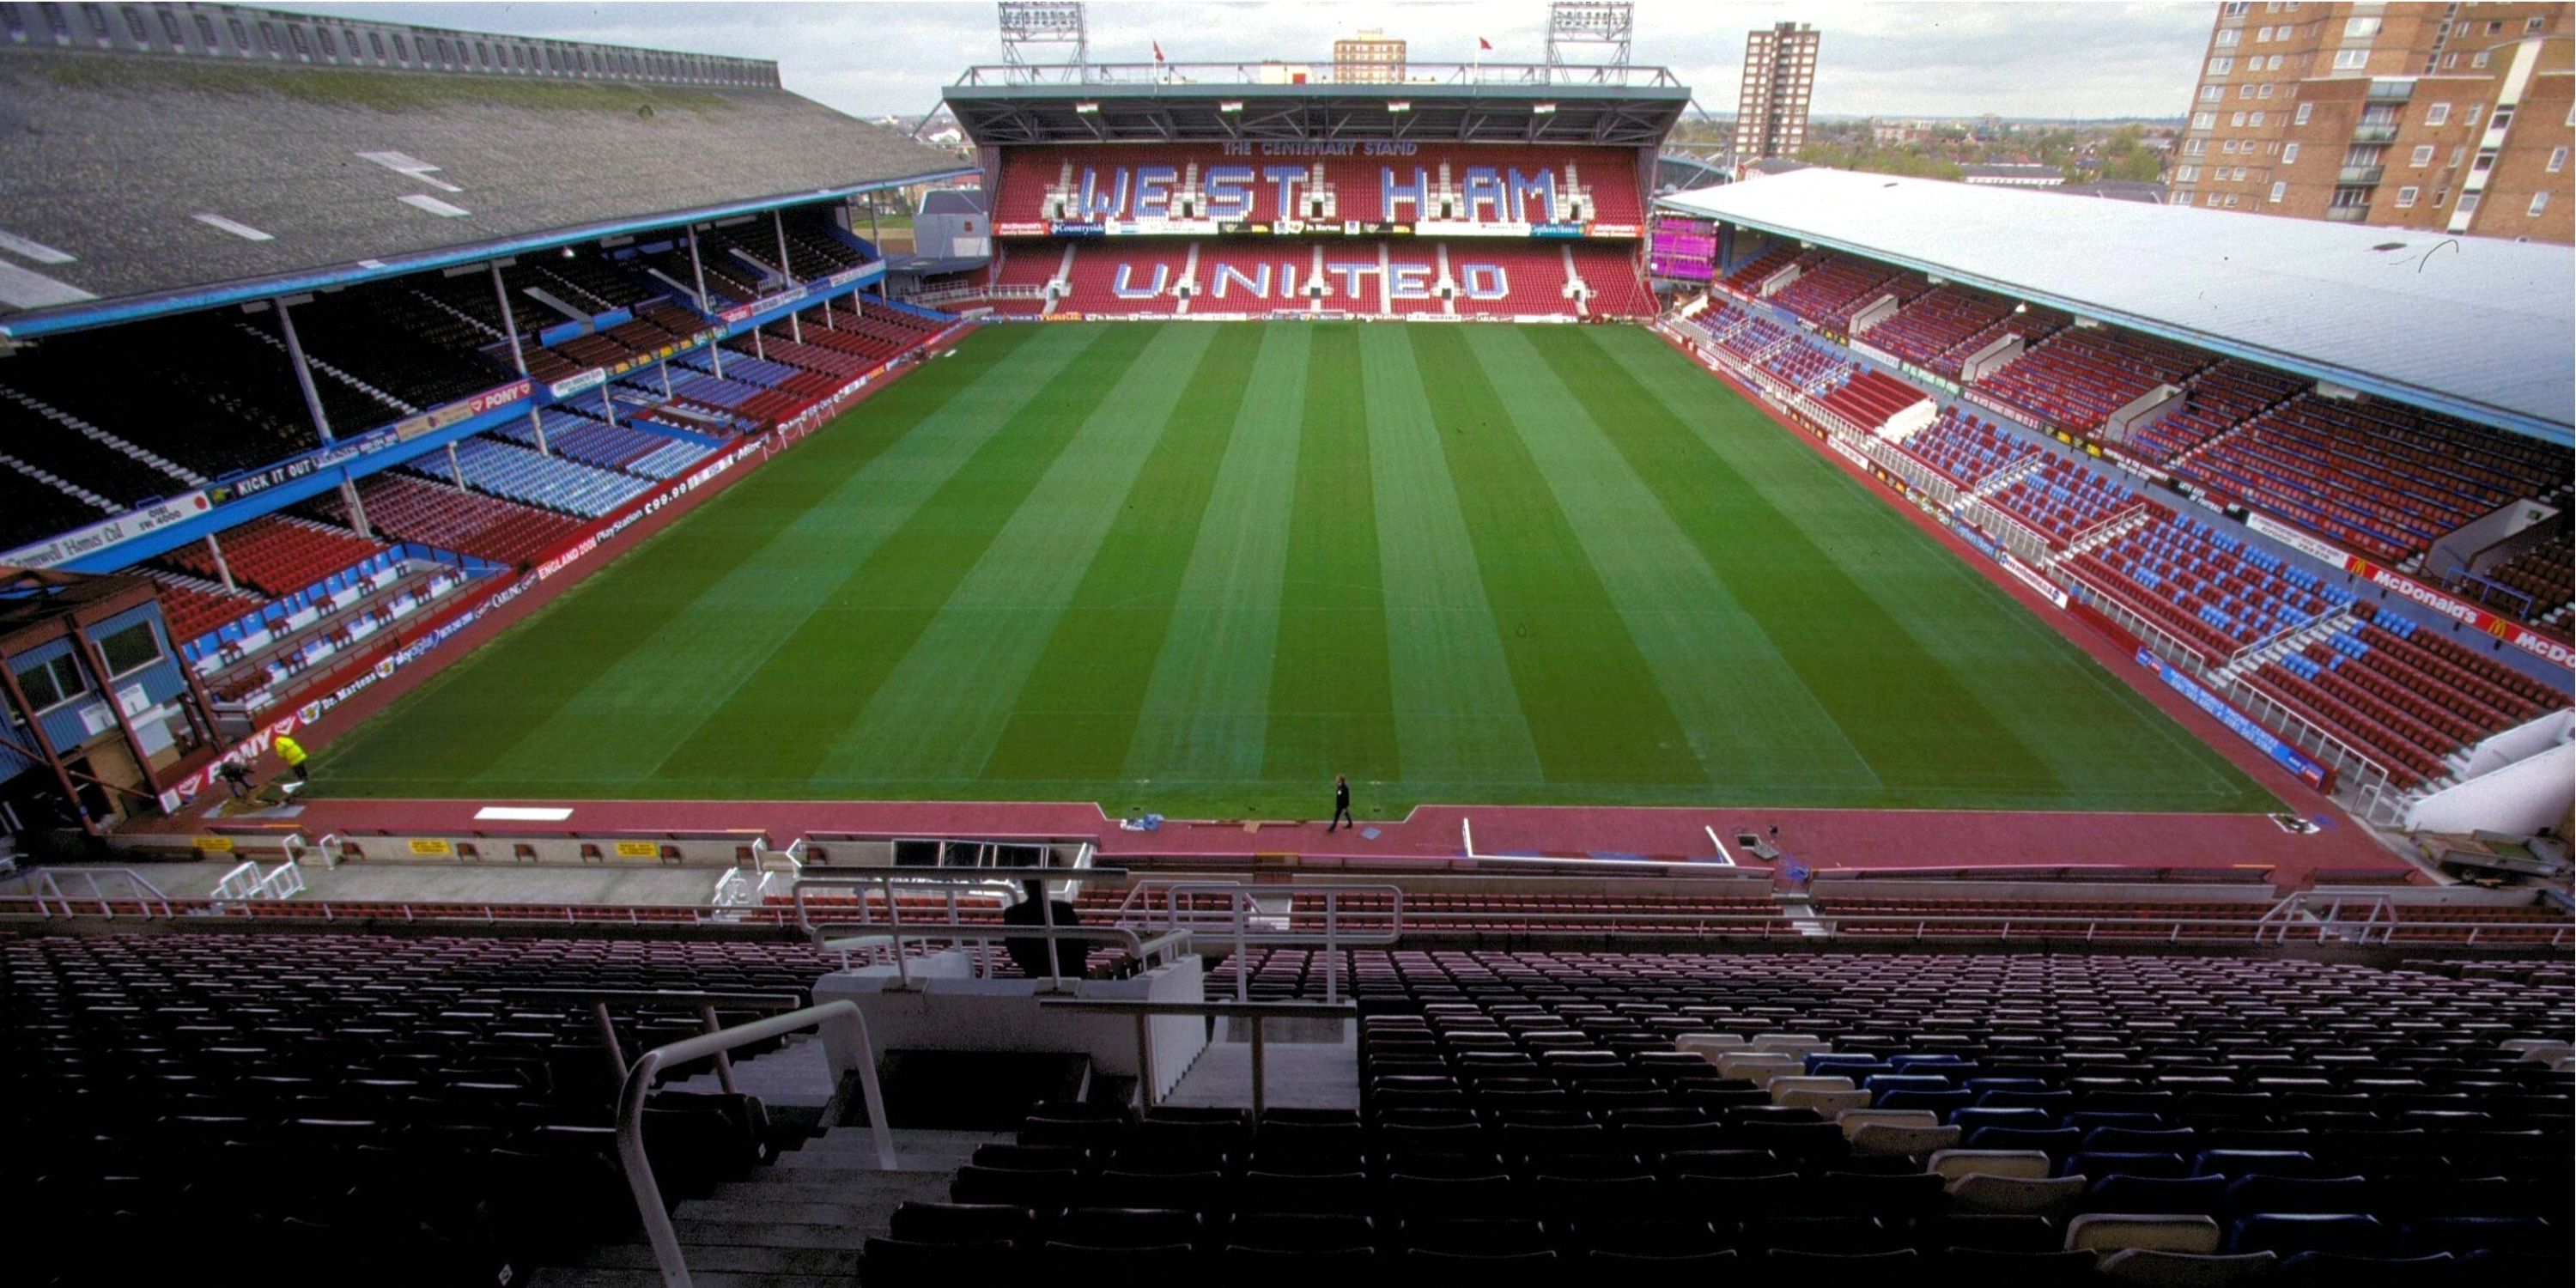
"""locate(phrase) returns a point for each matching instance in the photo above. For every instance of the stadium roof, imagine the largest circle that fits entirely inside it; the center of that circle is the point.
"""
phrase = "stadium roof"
(953, 201)
(2474, 326)
(1224, 102)
(134, 185)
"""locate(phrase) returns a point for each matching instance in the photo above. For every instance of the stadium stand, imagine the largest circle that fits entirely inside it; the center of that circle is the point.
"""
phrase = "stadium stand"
(2078, 377)
(2537, 585)
(2217, 400)
(1936, 321)
(1130, 277)
(344, 1098)
(1967, 450)
(2383, 479)
(2062, 499)
(417, 509)
(1832, 285)
(1523, 1109)
(1574, 185)
(521, 474)
(2212, 589)
(1747, 278)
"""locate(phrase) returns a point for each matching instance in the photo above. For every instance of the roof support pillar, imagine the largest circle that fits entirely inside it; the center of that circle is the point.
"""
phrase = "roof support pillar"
(303, 371)
(223, 571)
(699, 268)
(509, 319)
(357, 505)
(786, 268)
(454, 469)
(518, 356)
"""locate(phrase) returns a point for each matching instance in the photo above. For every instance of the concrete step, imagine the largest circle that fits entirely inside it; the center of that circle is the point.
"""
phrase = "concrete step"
(839, 1189)
(772, 1211)
(771, 1235)
(731, 1259)
(594, 1277)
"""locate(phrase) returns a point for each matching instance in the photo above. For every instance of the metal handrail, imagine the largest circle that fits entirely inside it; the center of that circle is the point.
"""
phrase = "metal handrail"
(707, 1002)
(858, 1052)
(1146, 951)
(44, 882)
(29, 906)
(1242, 906)
(1257, 1012)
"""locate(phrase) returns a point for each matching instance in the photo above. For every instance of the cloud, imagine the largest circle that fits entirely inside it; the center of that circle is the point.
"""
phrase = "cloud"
(1878, 57)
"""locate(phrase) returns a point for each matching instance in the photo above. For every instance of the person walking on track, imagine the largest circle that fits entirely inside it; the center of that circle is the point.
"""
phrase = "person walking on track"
(293, 753)
(1341, 803)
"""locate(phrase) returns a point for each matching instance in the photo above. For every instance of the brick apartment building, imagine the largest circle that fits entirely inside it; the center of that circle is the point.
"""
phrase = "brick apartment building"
(2450, 117)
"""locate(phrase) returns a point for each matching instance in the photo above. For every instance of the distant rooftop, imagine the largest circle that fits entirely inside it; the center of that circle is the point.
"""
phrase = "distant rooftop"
(275, 37)
(132, 184)
(2475, 326)
(1276, 101)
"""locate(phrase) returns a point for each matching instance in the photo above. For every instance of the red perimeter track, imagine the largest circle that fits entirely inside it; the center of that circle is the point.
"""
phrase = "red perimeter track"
(1819, 840)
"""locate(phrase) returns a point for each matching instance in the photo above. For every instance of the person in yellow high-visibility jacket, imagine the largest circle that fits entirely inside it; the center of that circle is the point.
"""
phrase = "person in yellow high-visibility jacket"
(293, 753)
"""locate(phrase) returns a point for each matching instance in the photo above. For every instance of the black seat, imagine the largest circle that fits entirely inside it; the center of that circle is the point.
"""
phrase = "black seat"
(961, 1223)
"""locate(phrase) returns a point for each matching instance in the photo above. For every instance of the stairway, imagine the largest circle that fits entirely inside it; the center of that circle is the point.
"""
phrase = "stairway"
(799, 1222)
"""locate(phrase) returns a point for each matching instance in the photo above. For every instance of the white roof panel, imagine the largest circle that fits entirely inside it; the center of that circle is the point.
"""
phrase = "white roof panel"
(2475, 326)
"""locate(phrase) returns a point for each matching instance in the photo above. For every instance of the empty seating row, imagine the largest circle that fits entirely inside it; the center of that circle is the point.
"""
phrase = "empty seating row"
(1967, 449)
(2079, 376)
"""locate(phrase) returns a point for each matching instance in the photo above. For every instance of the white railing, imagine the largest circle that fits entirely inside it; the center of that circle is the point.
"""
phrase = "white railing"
(1231, 911)
(1257, 1012)
(99, 887)
(248, 883)
(860, 930)
(735, 889)
(2378, 921)
(848, 1048)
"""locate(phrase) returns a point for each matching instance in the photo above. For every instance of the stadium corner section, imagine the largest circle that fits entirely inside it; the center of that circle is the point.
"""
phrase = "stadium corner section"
(364, 685)
(2245, 744)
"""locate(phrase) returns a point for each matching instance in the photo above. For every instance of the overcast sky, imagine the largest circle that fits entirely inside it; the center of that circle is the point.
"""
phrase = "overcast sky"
(1883, 59)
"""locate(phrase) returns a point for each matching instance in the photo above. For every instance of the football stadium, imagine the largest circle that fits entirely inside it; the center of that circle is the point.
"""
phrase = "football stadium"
(615, 676)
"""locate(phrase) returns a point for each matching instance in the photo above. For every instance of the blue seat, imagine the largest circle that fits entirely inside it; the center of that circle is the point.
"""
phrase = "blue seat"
(2056, 1142)
(2254, 1162)
(1939, 1102)
(2349, 1234)
(2462, 1235)
(2168, 1195)
(1970, 1118)
(1882, 1084)
(2098, 1164)
(2247, 1195)
(2341, 1270)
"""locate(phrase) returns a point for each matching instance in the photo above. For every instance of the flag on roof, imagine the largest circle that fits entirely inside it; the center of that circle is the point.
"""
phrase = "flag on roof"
(1482, 43)
(1158, 51)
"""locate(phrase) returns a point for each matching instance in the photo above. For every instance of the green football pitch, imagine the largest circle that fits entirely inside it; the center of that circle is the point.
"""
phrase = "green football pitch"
(1200, 568)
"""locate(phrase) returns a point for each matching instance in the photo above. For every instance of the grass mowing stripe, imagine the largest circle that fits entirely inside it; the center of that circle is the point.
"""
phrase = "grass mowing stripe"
(806, 513)
(939, 714)
(1907, 713)
(2110, 745)
(1594, 710)
(1752, 723)
(1205, 713)
(1077, 712)
(599, 669)
(1457, 717)
(789, 712)
(1331, 711)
